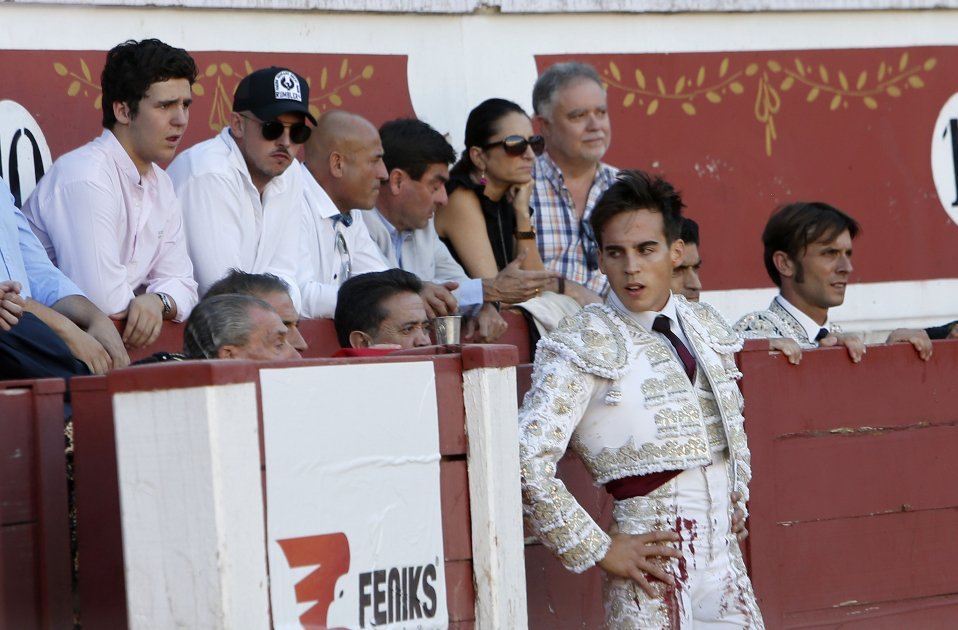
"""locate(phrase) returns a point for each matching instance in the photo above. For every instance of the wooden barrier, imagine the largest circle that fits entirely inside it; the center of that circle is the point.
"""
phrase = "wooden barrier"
(854, 503)
(35, 589)
(852, 500)
(101, 585)
(102, 589)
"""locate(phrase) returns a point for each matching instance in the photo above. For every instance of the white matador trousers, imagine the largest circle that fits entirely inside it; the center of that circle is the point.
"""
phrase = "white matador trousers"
(712, 589)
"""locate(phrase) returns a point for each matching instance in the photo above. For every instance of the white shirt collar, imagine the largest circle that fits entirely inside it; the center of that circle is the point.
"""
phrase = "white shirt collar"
(645, 318)
(810, 326)
(123, 160)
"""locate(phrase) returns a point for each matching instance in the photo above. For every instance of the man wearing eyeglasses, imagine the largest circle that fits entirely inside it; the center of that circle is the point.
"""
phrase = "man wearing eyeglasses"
(242, 203)
(343, 168)
(571, 111)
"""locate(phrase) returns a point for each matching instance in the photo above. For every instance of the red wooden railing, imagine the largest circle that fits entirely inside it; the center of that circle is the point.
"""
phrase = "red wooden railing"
(853, 505)
(35, 587)
(854, 502)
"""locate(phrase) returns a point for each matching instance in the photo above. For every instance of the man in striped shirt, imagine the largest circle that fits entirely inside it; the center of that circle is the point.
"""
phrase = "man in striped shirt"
(571, 112)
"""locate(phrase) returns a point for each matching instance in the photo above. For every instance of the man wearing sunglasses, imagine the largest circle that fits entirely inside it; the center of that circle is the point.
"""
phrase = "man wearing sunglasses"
(343, 168)
(242, 203)
(571, 111)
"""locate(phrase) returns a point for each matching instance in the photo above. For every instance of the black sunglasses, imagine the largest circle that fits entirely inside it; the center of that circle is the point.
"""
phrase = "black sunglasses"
(516, 145)
(298, 132)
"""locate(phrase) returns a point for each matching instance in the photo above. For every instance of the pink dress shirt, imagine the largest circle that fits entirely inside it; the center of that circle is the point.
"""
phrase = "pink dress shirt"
(115, 234)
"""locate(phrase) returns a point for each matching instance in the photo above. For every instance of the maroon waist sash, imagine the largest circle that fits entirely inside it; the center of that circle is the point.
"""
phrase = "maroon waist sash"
(639, 485)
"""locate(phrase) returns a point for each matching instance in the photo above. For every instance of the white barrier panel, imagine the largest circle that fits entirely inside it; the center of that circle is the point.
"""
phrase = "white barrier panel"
(354, 528)
(191, 504)
(498, 552)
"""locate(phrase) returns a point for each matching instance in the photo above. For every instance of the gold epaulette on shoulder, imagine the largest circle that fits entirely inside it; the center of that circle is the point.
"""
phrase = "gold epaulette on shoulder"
(593, 339)
(711, 325)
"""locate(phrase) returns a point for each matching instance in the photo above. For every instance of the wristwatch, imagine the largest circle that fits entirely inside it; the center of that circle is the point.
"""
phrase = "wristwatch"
(167, 304)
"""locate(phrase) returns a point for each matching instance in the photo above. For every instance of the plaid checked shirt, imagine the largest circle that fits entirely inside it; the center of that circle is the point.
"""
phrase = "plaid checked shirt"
(565, 243)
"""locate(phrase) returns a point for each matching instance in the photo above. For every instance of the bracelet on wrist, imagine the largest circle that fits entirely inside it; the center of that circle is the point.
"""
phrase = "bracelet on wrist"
(530, 235)
(561, 282)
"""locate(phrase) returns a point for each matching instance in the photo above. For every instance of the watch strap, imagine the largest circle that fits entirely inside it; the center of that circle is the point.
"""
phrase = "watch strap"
(167, 304)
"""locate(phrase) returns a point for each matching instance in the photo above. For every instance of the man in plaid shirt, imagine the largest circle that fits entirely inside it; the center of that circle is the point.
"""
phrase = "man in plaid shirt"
(570, 109)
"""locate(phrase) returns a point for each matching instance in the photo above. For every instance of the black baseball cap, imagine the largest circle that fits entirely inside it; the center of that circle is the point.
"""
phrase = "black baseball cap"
(271, 92)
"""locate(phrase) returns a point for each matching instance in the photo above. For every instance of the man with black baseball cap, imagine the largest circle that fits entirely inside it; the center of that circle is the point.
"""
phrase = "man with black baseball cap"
(242, 204)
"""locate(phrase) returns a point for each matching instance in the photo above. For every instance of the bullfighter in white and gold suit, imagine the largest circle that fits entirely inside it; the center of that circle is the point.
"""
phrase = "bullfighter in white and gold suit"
(669, 447)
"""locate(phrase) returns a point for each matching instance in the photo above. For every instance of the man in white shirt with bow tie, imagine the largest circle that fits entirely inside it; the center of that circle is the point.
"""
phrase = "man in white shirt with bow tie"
(808, 255)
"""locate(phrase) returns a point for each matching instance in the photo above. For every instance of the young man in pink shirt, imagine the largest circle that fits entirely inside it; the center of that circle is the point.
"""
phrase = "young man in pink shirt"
(106, 214)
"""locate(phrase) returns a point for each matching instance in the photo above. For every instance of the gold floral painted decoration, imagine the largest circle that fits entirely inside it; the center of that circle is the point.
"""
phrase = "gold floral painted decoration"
(216, 76)
(82, 82)
(769, 81)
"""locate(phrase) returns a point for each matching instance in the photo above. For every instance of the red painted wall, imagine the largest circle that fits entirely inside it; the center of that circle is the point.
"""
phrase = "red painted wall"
(63, 93)
(741, 133)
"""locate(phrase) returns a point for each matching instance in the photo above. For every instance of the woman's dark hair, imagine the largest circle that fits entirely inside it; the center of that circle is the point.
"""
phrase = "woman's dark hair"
(481, 126)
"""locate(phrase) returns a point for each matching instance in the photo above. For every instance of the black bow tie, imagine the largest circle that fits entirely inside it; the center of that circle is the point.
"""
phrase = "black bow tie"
(822, 333)
(345, 219)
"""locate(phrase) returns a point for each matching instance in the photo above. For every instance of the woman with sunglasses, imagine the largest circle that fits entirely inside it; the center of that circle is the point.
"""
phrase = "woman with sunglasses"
(487, 221)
